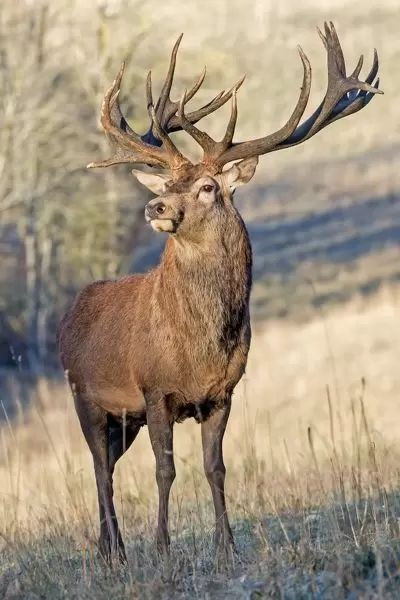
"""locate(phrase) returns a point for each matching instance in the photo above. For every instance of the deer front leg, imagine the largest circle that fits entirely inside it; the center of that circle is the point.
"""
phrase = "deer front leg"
(212, 434)
(160, 427)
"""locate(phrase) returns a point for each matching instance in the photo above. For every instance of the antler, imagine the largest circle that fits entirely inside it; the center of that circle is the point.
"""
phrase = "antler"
(155, 147)
(128, 145)
(345, 95)
(166, 108)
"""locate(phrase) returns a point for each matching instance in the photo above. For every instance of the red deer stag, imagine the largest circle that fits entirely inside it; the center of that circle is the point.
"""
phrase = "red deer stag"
(158, 348)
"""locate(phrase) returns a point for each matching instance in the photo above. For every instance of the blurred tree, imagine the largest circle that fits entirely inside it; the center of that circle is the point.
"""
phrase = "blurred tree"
(33, 160)
(67, 221)
(65, 226)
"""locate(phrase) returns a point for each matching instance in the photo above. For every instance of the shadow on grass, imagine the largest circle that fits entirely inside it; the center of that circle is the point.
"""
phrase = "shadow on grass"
(339, 551)
(335, 235)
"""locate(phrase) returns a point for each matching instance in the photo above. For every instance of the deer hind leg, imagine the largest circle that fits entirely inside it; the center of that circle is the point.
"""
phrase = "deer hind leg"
(102, 440)
(120, 437)
(212, 434)
(160, 427)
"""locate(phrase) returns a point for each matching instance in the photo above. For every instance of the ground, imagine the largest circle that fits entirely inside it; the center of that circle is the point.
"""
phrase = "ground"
(312, 461)
(312, 446)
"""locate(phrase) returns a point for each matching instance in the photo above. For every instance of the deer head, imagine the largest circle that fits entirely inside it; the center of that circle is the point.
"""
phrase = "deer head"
(190, 196)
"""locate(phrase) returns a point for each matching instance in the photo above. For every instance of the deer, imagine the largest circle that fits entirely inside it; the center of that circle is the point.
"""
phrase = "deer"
(157, 348)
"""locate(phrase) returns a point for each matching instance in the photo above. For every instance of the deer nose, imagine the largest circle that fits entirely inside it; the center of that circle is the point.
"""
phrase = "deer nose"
(154, 210)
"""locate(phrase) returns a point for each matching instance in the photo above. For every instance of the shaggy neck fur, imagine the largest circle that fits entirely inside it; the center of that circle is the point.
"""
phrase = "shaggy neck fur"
(204, 287)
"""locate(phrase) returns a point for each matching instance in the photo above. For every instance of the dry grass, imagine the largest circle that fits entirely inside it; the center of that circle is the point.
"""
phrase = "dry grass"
(312, 446)
(312, 483)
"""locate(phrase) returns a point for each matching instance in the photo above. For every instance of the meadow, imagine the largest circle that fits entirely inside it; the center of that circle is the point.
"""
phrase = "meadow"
(312, 447)
(313, 473)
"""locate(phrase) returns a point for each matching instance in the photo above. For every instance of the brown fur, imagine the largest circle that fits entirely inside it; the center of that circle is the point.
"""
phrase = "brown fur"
(183, 328)
(172, 344)
(161, 347)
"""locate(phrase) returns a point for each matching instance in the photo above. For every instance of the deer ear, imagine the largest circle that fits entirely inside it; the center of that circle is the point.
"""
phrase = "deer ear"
(155, 182)
(241, 172)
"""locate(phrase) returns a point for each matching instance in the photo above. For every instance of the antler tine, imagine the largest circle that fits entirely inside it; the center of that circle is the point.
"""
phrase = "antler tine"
(230, 129)
(149, 91)
(114, 107)
(358, 68)
(116, 86)
(155, 147)
(212, 149)
(345, 95)
(149, 136)
(343, 108)
(266, 144)
(178, 160)
(166, 88)
(129, 147)
(196, 86)
(334, 44)
(195, 116)
(217, 97)
(201, 137)
(166, 108)
(346, 104)
(174, 123)
(374, 69)
(110, 110)
(338, 83)
(323, 38)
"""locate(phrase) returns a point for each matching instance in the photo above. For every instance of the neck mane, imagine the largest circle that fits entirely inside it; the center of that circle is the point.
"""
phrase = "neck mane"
(206, 286)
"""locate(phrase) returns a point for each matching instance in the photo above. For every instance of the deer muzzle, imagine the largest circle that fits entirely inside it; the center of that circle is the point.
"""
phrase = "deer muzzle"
(162, 217)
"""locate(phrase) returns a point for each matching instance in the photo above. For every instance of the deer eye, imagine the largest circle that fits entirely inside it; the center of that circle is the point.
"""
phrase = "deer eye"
(207, 188)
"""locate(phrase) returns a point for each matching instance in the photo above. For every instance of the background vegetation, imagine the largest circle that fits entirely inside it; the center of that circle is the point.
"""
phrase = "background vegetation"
(312, 447)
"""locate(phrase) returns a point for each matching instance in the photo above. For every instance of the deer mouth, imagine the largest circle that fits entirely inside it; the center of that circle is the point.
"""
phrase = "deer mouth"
(167, 222)
(164, 225)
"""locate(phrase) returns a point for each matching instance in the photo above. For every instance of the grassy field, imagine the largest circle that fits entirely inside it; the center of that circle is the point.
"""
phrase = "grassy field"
(313, 473)
(312, 447)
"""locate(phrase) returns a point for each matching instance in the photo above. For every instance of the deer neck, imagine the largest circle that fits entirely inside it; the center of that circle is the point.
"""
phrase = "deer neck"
(207, 286)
